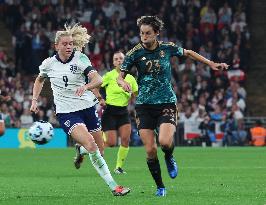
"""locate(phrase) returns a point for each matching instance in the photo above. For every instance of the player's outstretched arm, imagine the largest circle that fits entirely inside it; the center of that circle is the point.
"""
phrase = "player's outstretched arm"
(122, 83)
(95, 82)
(215, 66)
(37, 88)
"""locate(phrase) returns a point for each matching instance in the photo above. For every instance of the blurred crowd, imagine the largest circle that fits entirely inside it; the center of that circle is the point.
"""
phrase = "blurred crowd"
(217, 29)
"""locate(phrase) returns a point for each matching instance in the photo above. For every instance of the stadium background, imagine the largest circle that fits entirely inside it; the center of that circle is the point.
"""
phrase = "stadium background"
(219, 30)
(233, 33)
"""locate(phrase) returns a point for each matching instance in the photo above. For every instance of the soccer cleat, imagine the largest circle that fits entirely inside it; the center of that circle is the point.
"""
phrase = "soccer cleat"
(120, 191)
(171, 166)
(78, 159)
(119, 170)
(161, 192)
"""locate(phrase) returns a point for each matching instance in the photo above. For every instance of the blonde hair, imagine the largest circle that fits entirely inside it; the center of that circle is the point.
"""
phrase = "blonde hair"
(78, 33)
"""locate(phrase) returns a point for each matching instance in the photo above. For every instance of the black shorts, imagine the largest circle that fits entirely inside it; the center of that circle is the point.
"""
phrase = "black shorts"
(152, 116)
(114, 117)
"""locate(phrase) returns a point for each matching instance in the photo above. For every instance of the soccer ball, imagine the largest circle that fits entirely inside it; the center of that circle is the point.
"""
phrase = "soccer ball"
(41, 132)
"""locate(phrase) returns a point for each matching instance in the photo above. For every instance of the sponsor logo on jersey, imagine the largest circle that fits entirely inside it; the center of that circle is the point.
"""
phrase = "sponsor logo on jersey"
(143, 58)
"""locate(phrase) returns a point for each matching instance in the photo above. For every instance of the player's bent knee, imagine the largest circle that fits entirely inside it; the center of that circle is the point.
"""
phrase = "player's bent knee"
(151, 151)
(165, 142)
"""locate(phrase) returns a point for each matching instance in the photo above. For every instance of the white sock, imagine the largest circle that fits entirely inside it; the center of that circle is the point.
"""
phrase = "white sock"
(83, 151)
(101, 167)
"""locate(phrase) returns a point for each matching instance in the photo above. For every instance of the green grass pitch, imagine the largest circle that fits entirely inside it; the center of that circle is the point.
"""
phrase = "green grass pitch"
(206, 176)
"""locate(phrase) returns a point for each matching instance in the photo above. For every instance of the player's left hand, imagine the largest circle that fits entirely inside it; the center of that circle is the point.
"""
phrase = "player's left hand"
(80, 91)
(219, 66)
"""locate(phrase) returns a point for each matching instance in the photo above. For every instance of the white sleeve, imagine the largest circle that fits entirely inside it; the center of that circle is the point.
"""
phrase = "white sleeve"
(44, 68)
(84, 61)
(85, 64)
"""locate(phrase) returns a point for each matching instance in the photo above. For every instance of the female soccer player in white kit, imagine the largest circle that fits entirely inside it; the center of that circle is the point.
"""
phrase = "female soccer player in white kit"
(73, 99)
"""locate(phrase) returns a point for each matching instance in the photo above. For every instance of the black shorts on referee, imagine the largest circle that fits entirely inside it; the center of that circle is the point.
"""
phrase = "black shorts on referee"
(114, 117)
(151, 116)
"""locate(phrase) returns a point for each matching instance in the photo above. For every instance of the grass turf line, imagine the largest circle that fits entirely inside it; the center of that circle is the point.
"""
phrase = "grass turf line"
(207, 176)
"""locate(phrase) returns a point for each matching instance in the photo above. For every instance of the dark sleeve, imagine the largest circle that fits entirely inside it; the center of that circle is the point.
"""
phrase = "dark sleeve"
(88, 70)
(103, 92)
(127, 64)
(176, 50)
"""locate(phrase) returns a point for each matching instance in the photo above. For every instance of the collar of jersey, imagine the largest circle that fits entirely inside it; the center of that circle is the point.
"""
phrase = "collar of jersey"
(158, 44)
(114, 70)
(68, 60)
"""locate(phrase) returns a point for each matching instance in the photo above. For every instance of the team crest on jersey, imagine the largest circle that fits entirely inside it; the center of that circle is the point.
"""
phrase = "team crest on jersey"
(162, 54)
(73, 68)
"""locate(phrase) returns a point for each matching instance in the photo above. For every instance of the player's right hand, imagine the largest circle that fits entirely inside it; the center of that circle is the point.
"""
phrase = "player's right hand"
(102, 102)
(219, 66)
(34, 106)
(80, 91)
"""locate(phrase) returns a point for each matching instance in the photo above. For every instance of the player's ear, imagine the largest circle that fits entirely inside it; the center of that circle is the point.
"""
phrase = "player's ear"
(56, 46)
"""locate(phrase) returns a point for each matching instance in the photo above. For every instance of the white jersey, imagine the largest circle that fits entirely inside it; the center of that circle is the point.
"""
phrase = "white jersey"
(65, 78)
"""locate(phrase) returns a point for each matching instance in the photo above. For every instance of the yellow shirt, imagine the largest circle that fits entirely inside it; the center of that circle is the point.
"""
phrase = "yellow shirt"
(115, 95)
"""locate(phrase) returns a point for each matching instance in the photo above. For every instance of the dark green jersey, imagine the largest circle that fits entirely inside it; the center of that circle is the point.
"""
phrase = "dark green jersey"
(154, 72)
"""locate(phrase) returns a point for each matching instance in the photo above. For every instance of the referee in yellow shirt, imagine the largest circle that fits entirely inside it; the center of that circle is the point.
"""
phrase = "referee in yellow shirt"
(115, 118)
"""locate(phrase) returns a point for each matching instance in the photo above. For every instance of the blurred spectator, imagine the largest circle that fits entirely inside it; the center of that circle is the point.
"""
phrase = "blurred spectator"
(208, 17)
(238, 23)
(26, 119)
(240, 134)
(207, 129)
(5, 115)
(258, 134)
(236, 99)
(187, 116)
(237, 114)
(228, 126)
(225, 15)
(217, 30)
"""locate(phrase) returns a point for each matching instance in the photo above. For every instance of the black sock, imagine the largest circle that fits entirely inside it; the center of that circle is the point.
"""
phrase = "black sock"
(154, 167)
(168, 151)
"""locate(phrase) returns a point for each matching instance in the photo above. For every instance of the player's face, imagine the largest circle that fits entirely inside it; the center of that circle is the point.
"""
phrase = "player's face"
(65, 46)
(147, 35)
(118, 59)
